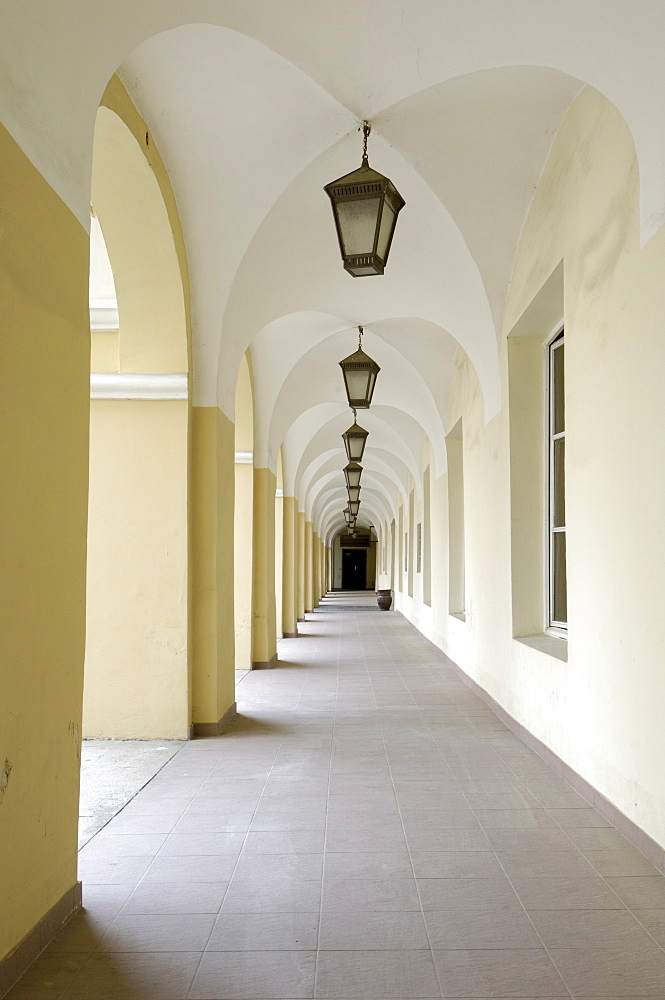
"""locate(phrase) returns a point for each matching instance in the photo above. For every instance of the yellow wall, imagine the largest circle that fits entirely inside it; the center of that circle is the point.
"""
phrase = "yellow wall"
(211, 534)
(601, 710)
(136, 649)
(44, 379)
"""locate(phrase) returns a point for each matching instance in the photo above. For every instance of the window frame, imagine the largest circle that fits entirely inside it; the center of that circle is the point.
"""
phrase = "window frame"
(554, 626)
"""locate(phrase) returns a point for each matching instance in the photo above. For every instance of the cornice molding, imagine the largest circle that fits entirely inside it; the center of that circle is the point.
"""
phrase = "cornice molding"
(132, 385)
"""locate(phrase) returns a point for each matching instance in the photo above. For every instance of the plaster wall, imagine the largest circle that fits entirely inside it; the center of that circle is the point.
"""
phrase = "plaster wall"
(136, 679)
(44, 379)
(601, 709)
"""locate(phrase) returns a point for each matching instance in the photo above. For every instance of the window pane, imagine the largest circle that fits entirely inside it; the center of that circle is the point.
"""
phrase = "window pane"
(559, 484)
(559, 589)
(558, 393)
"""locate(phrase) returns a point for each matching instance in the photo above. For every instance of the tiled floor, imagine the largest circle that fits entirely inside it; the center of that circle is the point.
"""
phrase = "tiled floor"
(367, 829)
(112, 772)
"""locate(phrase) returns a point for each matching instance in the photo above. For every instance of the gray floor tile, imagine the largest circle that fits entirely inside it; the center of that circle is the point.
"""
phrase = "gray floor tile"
(265, 931)
(176, 897)
(499, 972)
(640, 892)
(606, 973)
(369, 931)
(254, 975)
(395, 865)
(374, 974)
(465, 893)
(560, 893)
(158, 932)
(271, 895)
(455, 864)
(135, 976)
(370, 894)
(583, 929)
(495, 927)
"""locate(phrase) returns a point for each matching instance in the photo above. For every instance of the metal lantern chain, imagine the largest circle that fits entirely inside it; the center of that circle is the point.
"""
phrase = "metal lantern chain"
(367, 128)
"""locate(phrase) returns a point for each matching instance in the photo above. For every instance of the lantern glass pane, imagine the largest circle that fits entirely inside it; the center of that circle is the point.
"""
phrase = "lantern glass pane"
(370, 386)
(352, 475)
(356, 446)
(354, 493)
(388, 219)
(357, 224)
(357, 383)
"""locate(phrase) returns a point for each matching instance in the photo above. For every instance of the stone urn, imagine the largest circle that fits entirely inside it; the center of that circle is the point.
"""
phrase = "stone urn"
(384, 598)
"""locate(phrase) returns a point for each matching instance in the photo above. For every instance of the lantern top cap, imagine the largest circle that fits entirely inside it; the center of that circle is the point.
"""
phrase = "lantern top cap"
(355, 426)
(360, 360)
(365, 180)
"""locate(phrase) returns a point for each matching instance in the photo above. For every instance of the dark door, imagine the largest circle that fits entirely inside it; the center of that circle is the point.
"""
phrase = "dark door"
(354, 569)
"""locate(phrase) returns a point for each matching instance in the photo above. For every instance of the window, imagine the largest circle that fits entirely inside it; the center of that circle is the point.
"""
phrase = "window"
(558, 602)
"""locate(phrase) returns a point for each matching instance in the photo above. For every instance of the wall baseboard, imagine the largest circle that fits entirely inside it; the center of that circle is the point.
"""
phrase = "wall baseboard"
(21, 958)
(290, 635)
(647, 846)
(215, 728)
(265, 664)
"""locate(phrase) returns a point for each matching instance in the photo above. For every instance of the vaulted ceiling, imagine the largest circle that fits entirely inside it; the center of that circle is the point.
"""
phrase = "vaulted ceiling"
(255, 105)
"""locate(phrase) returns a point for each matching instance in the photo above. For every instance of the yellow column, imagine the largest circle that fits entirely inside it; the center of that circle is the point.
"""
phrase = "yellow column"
(242, 564)
(300, 568)
(45, 391)
(289, 586)
(212, 556)
(316, 596)
(309, 602)
(328, 568)
(264, 628)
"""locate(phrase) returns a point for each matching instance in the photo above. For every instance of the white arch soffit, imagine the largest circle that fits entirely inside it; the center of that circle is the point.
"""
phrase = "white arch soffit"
(371, 483)
(317, 376)
(328, 440)
(293, 265)
(399, 469)
(299, 437)
(371, 513)
(334, 527)
(330, 466)
(49, 93)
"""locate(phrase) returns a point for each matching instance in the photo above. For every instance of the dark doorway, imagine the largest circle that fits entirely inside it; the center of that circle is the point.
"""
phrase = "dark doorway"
(354, 569)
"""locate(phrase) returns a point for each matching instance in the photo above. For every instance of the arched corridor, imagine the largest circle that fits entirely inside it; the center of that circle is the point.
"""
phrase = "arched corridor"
(212, 432)
(367, 827)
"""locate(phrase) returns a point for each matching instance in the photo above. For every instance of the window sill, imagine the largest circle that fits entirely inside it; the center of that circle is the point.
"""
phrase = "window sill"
(460, 615)
(551, 645)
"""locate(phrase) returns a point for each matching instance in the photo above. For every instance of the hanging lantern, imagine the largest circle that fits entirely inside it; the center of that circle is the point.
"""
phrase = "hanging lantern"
(352, 474)
(349, 518)
(354, 492)
(359, 373)
(365, 206)
(354, 506)
(354, 440)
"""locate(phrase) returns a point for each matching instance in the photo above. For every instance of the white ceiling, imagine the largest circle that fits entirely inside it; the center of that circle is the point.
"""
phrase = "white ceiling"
(254, 105)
